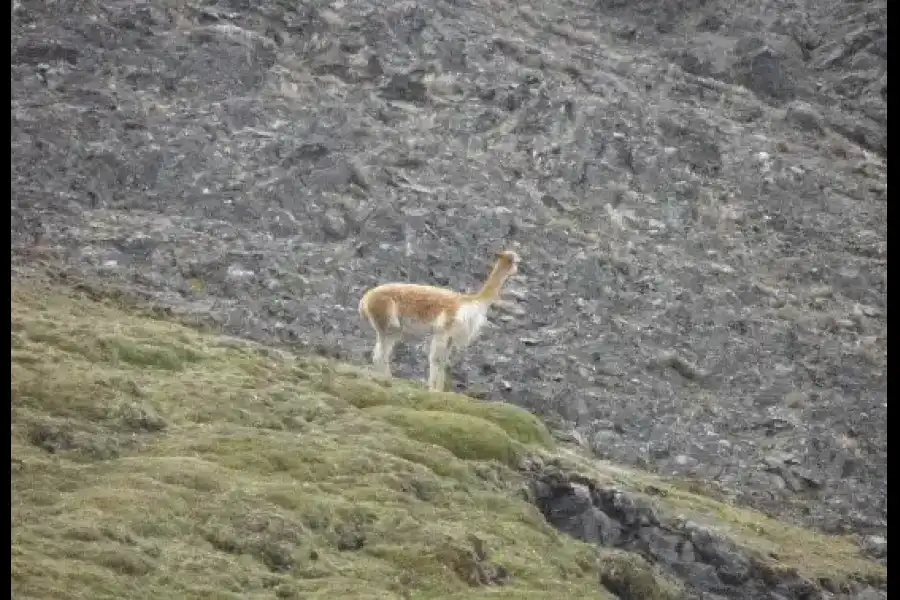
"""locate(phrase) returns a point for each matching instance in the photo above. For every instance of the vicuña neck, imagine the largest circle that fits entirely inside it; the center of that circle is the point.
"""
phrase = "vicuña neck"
(490, 291)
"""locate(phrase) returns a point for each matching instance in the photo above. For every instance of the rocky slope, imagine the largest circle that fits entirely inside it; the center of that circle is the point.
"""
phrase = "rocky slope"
(698, 190)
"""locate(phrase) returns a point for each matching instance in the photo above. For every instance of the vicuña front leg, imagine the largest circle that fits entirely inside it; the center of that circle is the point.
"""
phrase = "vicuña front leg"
(438, 362)
(381, 355)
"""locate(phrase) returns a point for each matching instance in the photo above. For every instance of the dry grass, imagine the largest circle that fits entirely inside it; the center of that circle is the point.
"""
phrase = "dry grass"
(151, 460)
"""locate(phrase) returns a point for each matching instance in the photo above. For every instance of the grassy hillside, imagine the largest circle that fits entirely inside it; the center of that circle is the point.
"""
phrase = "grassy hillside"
(154, 461)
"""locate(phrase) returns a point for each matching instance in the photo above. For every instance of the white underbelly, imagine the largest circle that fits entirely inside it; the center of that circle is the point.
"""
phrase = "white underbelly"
(411, 328)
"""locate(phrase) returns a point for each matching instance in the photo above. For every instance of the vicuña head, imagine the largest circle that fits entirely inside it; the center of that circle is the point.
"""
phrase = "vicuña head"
(453, 319)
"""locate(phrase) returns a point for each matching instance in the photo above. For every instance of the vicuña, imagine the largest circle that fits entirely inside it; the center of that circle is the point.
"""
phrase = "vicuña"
(453, 319)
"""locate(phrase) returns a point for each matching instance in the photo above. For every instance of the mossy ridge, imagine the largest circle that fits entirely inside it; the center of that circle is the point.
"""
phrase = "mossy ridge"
(184, 466)
(366, 392)
(161, 460)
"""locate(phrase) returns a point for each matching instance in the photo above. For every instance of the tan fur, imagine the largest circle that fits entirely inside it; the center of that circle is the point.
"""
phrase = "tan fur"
(452, 318)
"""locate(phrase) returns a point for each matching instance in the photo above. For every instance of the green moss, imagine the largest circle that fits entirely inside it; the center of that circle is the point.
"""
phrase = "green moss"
(466, 436)
(151, 460)
(155, 461)
(519, 424)
(628, 575)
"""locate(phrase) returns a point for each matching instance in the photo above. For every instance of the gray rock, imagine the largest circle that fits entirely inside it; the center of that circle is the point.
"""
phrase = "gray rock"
(405, 87)
(603, 441)
(803, 116)
(708, 563)
(732, 566)
(767, 73)
(875, 545)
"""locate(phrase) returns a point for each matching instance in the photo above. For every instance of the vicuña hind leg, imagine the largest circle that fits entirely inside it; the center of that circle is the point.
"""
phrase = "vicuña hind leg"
(438, 362)
(384, 349)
